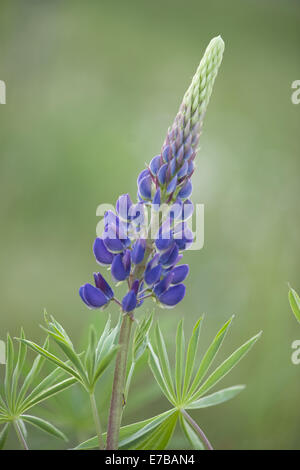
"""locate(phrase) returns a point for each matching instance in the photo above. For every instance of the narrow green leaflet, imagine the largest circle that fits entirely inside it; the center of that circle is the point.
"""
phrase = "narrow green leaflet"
(209, 356)
(164, 361)
(191, 355)
(9, 370)
(156, 369)
(294, 303)
(90, 355)
(49, 392)
(19, 366)
(216, 398)
(55, 360)
(33, 373)
(225, 367)
(44, 426)
(104, 363)
(141, 338)
(179, 359)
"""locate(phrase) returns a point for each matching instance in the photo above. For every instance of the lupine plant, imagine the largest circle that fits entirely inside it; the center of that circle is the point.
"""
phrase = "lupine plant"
(142, 245)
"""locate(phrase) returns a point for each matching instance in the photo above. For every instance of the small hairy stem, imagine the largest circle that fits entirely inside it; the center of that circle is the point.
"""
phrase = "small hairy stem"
(97, 421)
(20, 436)
(116, 406)
(198, 430)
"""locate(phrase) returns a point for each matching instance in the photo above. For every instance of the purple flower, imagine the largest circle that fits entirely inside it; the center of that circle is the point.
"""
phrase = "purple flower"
(102, 255)
(129, 301)
(172, 296)
(138, 251)
(120, 268)
(99, 296)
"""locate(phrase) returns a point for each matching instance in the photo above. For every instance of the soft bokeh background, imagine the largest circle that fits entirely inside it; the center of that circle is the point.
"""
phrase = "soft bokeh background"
(91, 90)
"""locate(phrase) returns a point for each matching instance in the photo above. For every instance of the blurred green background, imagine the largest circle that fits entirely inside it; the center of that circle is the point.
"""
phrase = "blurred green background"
(91, 90)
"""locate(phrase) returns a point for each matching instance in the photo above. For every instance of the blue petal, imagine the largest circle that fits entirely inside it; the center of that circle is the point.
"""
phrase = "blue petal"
(118, 271)
(123, 206)
(187, 209)
(163, 285)
(183, 236)
(164, 239)
(127, 262)
(92, 296)
(143, 174)
(112, 244)
(102, 255)
(183, 170)
(155, 165)
(153, 275)
(175, 209)
(179, 273)
(172, 166)
(101, 284)
(186, 190)
(135, 286)
(161, 175)
(129, 302)
(156, 200)
(167, 153)
(138, 251)
(191, 168)
(173, 295)
(169, 258)
(172, 185)
(144, 186)
(137, 213)
(188, 153)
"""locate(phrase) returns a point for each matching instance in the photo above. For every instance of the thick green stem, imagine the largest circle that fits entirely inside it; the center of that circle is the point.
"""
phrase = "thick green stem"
(97, 421)
(20, 436)
(116, 406)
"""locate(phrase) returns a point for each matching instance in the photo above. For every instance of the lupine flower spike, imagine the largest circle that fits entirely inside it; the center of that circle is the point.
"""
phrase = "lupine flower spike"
(149, 264)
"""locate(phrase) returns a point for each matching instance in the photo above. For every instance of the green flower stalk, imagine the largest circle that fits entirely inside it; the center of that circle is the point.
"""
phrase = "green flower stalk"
(165, 180)
(195, 101)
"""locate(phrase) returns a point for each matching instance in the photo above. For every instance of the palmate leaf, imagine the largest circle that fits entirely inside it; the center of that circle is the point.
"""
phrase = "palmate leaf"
(294, 303)
(189, 390)
(17, 400)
